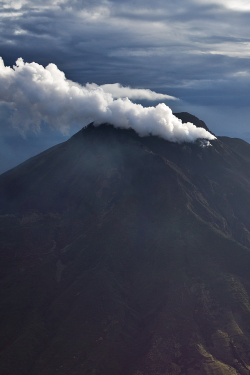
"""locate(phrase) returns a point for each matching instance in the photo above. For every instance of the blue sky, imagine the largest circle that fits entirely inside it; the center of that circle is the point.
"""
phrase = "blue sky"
(197, 51)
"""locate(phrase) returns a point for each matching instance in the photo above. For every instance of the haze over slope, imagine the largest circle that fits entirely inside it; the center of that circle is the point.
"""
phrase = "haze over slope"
(123, 255)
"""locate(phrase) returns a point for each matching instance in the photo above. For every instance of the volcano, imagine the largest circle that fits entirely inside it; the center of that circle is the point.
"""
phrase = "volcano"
(127, 255)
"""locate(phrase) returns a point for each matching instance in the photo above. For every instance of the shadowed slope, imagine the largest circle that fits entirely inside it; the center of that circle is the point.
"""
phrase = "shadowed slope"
(124, 255)
(241, 147)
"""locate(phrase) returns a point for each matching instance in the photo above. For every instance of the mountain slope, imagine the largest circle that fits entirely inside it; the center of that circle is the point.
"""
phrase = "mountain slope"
(126, 255)
(241, 147)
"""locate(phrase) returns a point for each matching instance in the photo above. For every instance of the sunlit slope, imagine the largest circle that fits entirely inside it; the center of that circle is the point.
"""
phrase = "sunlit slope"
(125, 255)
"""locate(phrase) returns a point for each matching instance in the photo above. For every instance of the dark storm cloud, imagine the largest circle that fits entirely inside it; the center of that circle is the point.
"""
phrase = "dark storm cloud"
(136, 35)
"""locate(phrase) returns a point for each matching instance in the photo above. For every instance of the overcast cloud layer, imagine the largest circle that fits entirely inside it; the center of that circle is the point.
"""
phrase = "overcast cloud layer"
(196, 50)
(145, 43)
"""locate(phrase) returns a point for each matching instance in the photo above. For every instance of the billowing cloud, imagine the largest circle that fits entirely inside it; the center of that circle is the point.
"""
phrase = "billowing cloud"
(44, 94)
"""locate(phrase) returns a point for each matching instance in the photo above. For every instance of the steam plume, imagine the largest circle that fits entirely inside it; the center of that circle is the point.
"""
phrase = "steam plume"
(118, 91)
(44, 94)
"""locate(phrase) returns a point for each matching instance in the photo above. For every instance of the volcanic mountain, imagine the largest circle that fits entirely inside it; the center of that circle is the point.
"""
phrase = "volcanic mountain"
(126, 255)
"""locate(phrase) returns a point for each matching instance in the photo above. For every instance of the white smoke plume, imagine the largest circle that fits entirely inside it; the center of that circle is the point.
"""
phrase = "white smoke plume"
(44, 94)
(118, 91)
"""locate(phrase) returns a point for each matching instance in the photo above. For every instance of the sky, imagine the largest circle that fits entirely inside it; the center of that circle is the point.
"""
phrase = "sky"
(195, 50)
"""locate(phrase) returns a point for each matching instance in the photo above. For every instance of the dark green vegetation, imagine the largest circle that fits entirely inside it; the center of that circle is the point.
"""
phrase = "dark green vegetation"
(123, 255)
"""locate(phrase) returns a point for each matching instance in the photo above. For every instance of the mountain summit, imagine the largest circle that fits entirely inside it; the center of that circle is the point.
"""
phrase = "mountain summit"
(126, 255)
